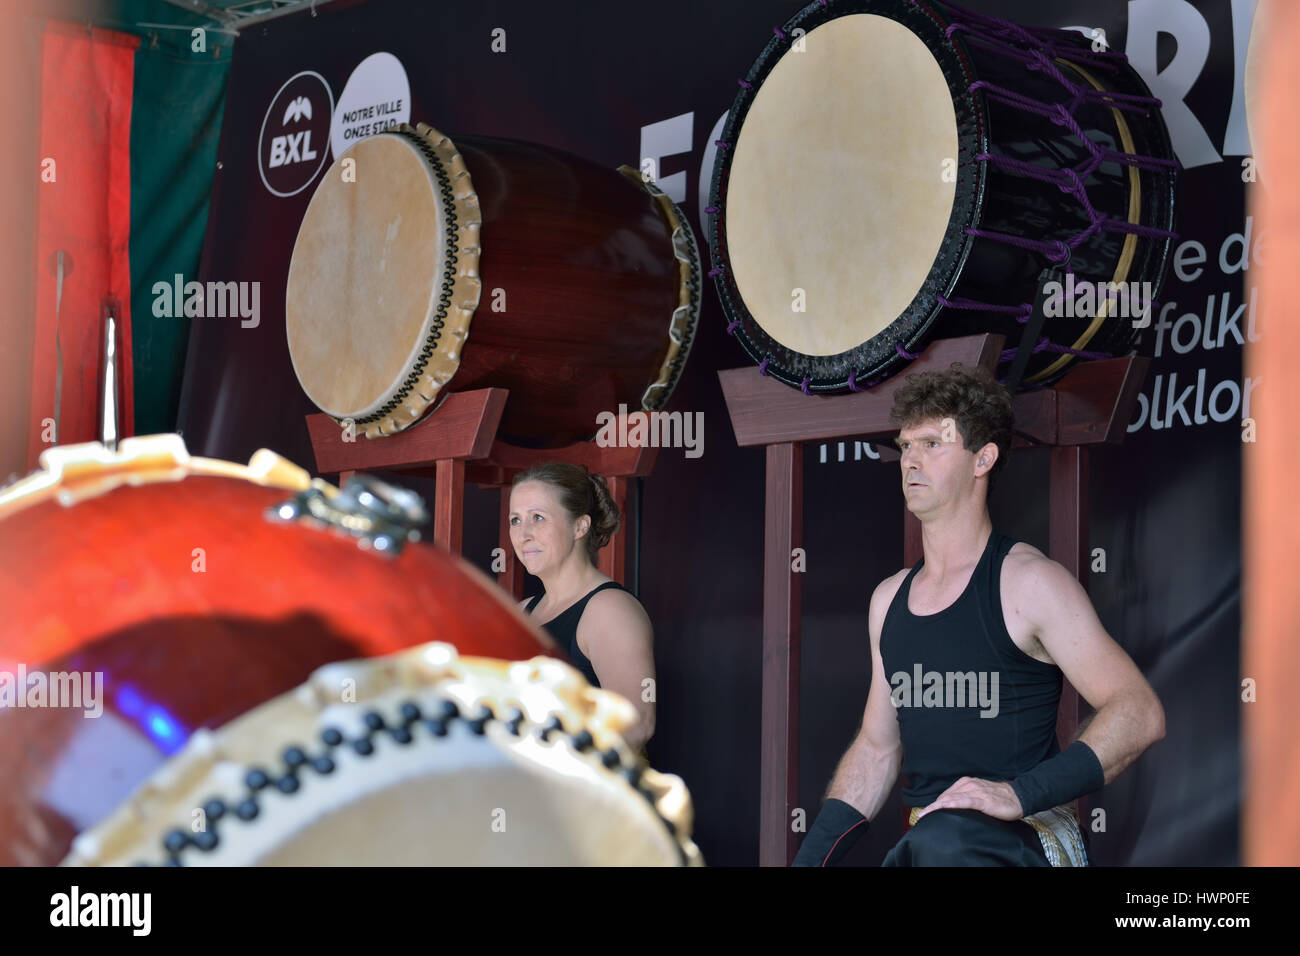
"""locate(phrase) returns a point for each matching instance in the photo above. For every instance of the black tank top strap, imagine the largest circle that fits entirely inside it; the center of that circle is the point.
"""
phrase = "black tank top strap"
(900, 596)
(999, 546)
(596, 590)
(564, 628)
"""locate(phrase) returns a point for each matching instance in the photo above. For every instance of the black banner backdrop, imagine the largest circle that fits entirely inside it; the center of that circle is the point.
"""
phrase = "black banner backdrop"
(626, 83)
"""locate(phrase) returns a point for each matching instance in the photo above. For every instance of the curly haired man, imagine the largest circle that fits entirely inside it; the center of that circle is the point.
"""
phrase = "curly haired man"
(968, 649)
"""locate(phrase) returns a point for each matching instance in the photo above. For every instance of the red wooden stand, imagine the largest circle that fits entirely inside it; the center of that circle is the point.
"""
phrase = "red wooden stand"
(457, 443)
(1091, 405)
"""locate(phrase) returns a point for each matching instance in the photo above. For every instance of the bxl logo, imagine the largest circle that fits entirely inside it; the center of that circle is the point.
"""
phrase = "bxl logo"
(299, 108)
(290, 154)
(294, 148)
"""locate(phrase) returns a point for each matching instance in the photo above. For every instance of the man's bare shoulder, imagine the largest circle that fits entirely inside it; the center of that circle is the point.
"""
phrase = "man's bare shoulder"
(1027, 572)
(884, 596)
(887, 588)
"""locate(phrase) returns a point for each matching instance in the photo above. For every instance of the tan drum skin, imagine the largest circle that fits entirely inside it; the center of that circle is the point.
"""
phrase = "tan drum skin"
(845, 147)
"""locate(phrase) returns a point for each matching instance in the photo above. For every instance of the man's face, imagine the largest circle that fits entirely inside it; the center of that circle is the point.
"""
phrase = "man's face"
(938, 471)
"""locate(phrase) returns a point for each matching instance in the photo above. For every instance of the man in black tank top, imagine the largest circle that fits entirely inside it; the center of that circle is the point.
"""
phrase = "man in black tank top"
(968, 650)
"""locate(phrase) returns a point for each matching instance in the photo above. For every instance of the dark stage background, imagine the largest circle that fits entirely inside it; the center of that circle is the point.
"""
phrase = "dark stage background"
(595, 79)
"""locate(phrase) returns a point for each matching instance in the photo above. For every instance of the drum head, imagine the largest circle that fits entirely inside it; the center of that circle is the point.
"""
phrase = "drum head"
(383, 279)
(850, 145)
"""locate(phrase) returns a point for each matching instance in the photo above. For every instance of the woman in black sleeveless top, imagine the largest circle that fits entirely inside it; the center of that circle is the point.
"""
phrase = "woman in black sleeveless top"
(561, 515)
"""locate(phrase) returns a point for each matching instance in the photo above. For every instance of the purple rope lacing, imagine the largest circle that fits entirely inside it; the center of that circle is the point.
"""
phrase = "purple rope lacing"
(1045, 44)
(1047, 345)
(1022, 311)
(1049, 38)
(1003, 35)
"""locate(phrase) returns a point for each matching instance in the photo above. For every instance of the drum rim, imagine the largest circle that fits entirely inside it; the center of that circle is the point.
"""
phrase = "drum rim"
(541, 698)
(1156, 194)
(686, 317)
(75, 473)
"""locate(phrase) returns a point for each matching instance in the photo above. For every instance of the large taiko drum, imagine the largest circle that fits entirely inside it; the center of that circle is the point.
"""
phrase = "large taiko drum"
(424, 265)
(202, 662)
(895, 171)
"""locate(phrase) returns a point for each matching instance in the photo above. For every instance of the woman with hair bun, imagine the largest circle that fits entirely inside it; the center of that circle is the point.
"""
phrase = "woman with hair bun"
(561, 515)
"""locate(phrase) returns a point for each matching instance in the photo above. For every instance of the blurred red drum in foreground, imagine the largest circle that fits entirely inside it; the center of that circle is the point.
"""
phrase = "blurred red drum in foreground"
(192, 671)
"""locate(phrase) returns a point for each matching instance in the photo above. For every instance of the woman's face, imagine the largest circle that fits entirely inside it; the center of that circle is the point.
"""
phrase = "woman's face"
(540, 530)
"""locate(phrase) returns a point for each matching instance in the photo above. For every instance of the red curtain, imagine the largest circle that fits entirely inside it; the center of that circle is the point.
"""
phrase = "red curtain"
(84, 213)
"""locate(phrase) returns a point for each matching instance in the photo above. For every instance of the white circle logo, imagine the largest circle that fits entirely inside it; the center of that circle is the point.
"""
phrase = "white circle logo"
(293, 146)
(377, 97)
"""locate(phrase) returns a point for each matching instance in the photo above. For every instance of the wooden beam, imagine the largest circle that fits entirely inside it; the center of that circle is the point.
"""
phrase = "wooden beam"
(613, 557)
(766, 412)
(782, 607)
(449, 505)
(1097, 400)
(462, 426)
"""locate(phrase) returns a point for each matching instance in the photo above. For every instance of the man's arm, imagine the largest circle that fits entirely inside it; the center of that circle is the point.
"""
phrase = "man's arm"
(1129, 717)
(867, 771)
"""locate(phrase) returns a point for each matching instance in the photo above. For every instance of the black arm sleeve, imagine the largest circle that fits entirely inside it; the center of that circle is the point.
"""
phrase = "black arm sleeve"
(836, 829)
(1071, 773)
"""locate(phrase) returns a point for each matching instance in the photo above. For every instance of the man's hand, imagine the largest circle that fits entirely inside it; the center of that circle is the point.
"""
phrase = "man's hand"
(997, 800)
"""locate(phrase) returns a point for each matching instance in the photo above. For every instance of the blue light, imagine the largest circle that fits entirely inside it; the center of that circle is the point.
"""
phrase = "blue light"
(165, 731)
(161, 727)
(129, 703)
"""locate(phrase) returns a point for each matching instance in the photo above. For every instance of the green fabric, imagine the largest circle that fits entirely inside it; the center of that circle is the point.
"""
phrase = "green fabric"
(178, 103)
(175, 129)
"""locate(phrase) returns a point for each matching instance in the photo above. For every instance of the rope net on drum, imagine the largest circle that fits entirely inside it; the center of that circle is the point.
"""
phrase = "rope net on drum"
(1044, 46)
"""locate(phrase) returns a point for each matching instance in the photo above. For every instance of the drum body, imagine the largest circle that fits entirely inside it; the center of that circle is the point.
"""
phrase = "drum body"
(439, 265)
(167, 621)
(895, 172)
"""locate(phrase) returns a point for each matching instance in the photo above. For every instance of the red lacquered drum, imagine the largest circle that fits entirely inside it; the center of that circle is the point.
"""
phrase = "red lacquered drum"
(203, 662)
(424, 265)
